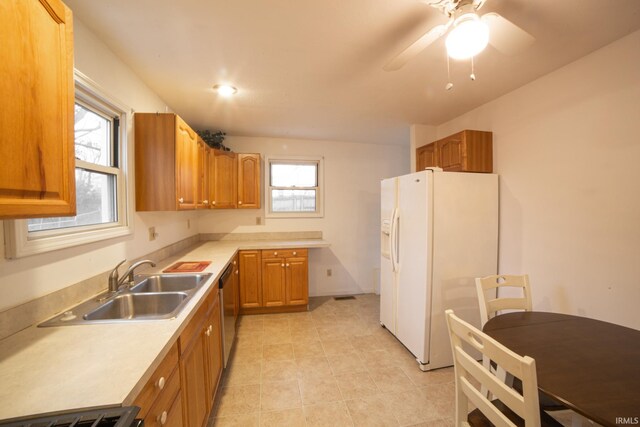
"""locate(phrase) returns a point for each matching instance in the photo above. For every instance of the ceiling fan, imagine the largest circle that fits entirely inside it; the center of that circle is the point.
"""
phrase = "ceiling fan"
(468, 33)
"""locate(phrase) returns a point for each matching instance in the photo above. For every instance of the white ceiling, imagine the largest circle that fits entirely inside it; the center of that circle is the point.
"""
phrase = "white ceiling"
(313, 68)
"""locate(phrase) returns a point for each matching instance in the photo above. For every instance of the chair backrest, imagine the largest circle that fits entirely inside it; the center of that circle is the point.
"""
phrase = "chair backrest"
(489, 307)
(467, 369)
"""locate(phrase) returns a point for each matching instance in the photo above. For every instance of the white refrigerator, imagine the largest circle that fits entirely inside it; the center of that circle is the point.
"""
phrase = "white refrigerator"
(439, 231)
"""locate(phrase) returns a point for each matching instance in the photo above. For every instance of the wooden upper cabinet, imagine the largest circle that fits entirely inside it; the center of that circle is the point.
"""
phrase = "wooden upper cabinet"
(166, 163)
(37, 177)
(202, 186)
(466, 151)
(426, 157)
(223, 183)
(249, 181)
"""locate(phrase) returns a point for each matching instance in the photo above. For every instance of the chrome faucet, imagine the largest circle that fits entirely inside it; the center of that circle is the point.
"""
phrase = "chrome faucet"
(115, 282)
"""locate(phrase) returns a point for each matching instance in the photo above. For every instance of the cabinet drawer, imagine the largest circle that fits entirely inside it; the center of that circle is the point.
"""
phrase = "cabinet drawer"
(165, 406)
(158, 382)
(283, 253)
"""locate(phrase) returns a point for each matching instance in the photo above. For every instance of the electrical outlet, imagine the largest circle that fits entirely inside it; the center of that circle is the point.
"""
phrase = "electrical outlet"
(152, 234)
(258, 220)
(329, 272)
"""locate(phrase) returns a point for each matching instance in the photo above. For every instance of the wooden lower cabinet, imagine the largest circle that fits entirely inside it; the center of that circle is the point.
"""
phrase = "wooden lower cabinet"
(274, 280)
(194, 382)
(250, 279)
(213, 332)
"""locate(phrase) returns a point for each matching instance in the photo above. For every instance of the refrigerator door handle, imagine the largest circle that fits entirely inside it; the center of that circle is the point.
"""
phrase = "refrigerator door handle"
(393, 241)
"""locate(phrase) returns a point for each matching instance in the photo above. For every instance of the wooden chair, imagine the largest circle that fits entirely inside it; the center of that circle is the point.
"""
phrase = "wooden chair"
(489, 307)
(511, 408)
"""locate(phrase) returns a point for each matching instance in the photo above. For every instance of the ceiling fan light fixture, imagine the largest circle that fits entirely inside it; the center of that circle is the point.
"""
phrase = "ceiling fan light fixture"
(225, 90)
(468, 38)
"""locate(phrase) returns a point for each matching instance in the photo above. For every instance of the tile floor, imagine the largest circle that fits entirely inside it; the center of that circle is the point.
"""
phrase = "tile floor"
(331, 366)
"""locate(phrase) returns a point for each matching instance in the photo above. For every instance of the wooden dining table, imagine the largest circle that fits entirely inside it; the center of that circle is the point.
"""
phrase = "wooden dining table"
(591, 366)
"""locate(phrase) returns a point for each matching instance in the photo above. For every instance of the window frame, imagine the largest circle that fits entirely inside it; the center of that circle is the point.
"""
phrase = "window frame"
(319, 162)
(19, 242)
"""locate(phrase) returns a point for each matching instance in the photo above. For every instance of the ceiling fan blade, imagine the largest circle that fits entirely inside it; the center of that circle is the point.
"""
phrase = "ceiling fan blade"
(506, 36)
(419, 45)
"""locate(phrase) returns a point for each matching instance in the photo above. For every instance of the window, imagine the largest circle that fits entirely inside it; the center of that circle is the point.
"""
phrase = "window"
(101, 193)
(294, 187)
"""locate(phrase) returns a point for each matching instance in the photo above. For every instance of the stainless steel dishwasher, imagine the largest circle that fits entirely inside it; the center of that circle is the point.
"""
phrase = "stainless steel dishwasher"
(229, 313)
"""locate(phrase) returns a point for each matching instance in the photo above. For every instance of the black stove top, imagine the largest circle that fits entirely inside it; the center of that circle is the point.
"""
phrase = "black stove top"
(112, 417)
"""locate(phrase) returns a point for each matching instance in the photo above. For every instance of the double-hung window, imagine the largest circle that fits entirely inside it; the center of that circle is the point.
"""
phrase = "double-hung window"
(101, 193)
(294, 187)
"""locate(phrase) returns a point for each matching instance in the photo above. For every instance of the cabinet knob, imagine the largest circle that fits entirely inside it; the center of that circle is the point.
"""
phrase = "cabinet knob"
(210, 328)
(160, 383)
(236, 271)
(206, 202)
(181, 200)
(295, 253)
(239, 202)
(213, 203)
(281, 265)
(287, 264)
(234, 262)
(162, 418)
(275, 254)
(207, 332)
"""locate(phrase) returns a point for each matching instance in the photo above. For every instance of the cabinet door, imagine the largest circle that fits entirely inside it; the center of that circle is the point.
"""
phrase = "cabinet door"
(202, 200)
(297, 280)
(249, 181)
(186, 165)
(273, 282)
(450, 151)
(37, 177)
(214, 350)
(250, 279)
(193, 370)
(224, 180)
(426, 157)
(236, 286)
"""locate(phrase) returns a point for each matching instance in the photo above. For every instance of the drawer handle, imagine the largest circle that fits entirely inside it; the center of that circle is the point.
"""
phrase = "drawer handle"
(162, 418)
(160, 383)
(181, 200)
(295, 253)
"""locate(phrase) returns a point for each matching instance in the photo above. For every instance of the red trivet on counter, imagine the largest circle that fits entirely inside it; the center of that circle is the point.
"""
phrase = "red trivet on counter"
(187, 267)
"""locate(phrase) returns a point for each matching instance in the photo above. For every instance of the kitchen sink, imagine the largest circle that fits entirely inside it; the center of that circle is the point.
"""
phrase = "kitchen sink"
(139, 306)
(168, 282)
(149, 297)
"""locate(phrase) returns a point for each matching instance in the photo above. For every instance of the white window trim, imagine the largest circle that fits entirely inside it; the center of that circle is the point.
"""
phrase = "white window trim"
(19, 244)
(319, 213)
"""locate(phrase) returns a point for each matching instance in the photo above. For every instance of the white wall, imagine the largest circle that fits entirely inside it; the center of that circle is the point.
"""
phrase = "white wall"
(32, 277)
(566, 147)
(351, 222)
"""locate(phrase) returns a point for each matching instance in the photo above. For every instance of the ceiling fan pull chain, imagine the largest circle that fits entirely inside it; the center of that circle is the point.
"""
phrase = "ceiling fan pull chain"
(473, 73)
(449, 85)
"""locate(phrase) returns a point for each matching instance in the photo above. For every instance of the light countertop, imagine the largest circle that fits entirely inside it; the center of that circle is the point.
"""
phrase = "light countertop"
(65, 368)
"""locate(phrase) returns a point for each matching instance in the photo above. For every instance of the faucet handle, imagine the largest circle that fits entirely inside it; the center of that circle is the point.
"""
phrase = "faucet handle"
(115, 270)
(113, 277)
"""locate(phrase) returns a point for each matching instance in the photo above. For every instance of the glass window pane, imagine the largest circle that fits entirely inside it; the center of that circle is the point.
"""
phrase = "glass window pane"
(92, 137)
(293, 200)
(95, 202)
(294, 175)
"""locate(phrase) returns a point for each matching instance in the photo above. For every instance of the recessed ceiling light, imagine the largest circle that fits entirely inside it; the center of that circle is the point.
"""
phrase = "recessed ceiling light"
(225, 90)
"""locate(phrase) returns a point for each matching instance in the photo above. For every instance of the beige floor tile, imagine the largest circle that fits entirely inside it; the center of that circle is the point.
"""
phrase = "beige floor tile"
(277, 352)
(240, 399)
(412, 407)
(302, 349)
(345, 363)
(445, 422)
(242, 420)
(445, 392)
(279, 370)
(331, 333)
(391, 380)
(243, 373)
(277, 336)
(285, 418)
(280, 395)
(371, 413)
(304, 335)
(355, 385)
(247, 354)
(313, 367)
(319, 390)
(337, 346)
(333, 414)
(378, 359)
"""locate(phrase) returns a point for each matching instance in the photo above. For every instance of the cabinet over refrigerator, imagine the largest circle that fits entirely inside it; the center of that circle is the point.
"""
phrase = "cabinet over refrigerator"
(439, 230)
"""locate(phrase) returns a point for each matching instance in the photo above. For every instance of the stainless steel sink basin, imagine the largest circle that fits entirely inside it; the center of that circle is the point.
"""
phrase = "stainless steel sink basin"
(169, 282)
(139, 306)
(150, 297)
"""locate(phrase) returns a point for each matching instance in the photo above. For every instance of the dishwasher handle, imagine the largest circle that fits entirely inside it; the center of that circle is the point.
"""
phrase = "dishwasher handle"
(225, 276)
